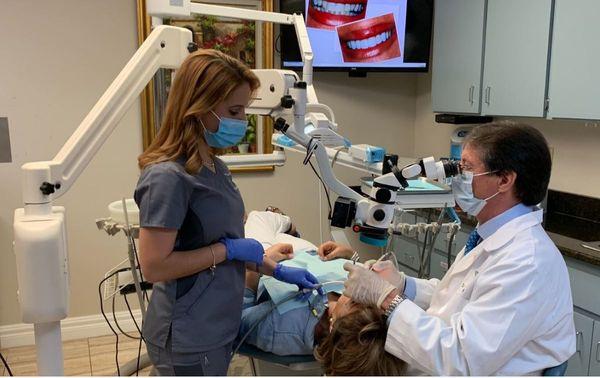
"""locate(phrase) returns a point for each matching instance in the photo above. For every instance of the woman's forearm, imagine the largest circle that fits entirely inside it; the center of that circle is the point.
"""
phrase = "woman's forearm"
(184, 263)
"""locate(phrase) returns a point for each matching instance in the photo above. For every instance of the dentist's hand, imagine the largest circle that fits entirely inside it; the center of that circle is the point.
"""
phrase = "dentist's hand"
(297, 276)
(247, 250)
(365, 286)
(387, 271)
(332, 250)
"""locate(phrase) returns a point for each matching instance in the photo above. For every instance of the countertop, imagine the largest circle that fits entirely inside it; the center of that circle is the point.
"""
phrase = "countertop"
(569, 247)
(572, 248)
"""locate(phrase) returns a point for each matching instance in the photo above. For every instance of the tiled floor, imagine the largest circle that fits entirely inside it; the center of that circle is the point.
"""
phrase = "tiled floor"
(94, 356)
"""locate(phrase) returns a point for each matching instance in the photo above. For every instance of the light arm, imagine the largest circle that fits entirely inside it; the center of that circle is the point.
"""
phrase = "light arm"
(166, 47)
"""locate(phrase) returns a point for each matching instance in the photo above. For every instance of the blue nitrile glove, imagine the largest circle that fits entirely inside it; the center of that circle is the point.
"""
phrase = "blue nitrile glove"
(297, 276)
(247, 250)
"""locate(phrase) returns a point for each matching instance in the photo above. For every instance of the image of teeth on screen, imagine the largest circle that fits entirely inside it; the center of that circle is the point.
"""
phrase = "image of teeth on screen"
(370, 40)
(357, 31)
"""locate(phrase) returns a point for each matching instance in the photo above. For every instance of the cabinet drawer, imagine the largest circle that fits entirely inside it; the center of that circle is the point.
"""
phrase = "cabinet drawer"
(584, 286)
(580, 361)
(441, 244)
(406, 252)
(439, 265)
(595, 352)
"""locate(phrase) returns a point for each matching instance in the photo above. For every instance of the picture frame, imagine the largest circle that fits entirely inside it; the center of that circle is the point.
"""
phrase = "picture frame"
(248, 41)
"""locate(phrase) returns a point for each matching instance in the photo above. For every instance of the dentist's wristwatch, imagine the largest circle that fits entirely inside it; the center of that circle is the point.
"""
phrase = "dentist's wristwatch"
(395, 302)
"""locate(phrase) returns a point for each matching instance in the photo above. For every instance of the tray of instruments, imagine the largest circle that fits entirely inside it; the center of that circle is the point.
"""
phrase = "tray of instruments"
(420, 193)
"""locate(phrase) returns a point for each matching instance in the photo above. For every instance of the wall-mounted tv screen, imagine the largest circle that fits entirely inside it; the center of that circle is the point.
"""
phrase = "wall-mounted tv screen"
(369, 35)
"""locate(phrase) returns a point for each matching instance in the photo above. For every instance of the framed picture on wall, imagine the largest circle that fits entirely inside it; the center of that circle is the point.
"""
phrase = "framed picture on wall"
(242, 39)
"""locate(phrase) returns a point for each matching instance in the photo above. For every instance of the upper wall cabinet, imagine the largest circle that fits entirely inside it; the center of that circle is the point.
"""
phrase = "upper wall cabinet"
(490, 57)
(457, 52)
(574, 88)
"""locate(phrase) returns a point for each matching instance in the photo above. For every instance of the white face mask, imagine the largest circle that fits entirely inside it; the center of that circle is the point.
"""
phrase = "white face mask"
(462, 188)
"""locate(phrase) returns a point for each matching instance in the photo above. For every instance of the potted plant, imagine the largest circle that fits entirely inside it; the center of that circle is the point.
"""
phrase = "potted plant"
(250, 137)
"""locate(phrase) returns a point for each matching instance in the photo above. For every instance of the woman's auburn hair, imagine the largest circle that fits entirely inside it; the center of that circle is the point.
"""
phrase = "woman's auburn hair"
(204, 80)
(356, 346)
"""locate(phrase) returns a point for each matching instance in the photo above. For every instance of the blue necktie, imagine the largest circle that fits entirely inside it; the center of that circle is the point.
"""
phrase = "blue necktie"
(472, 242)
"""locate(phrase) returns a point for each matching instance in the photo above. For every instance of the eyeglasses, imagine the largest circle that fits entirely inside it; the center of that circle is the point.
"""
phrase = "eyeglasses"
(465, 169)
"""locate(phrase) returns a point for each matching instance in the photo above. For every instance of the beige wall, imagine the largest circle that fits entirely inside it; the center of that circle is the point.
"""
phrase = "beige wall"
(58, 57)
(575, 144)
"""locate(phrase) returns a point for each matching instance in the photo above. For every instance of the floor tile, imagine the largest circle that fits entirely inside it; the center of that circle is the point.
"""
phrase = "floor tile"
(239, 366)
(20, 354)
(78, 366)
(102, 353)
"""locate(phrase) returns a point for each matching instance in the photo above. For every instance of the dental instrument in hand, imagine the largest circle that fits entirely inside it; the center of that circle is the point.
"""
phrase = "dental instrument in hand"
(383, 257)
(355, 257)
(320, 285)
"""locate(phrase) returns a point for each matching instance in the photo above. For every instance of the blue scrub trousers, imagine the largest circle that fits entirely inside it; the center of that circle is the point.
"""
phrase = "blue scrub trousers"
(168, 363)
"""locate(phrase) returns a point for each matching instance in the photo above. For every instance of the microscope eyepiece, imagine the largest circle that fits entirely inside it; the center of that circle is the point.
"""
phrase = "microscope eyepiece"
(451, 167)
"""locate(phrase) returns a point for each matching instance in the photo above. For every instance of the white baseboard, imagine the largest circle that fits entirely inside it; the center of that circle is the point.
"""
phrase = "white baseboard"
(73, 328)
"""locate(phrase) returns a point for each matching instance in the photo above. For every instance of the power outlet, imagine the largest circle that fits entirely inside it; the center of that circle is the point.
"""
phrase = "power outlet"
(5, 152)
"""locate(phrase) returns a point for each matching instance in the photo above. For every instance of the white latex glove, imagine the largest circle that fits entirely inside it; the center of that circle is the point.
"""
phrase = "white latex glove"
(387, 271)
(365, 286)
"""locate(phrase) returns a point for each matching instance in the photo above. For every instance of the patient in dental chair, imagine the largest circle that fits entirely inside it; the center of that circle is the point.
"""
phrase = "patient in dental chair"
(330, 326)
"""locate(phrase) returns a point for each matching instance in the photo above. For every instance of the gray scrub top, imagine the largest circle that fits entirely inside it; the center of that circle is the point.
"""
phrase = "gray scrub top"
(202, 311)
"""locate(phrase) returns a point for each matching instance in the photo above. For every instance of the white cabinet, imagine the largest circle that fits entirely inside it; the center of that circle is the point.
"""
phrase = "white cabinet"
(491, 58)
(517, 34)
(579, 363)
(595, 352)
(574, 87)
(457, 52)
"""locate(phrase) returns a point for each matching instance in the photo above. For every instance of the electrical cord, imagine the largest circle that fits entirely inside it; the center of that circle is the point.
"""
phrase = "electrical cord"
(6, 365)
(435, 234)
(133, 317)
(452, 236)
(108, 322)
(336, 156)
(277, 42)
(117, 323)
(139, 266)
(141, 338)
(324, 187)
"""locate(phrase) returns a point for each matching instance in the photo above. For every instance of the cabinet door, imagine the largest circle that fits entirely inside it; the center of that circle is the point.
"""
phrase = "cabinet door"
(595, 355)
(574, 88)
(406, 251)
(580, 361)
(457, 55)
(516, 57)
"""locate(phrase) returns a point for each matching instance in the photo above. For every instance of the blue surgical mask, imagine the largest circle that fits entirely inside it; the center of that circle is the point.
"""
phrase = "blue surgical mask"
(462, 188)
(230, 132)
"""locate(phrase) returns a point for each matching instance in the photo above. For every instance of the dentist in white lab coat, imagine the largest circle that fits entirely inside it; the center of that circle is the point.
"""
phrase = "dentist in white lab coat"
(504, 307)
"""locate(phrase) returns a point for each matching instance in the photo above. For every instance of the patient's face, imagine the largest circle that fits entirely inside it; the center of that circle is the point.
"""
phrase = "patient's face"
(340, 308)
(343, 306)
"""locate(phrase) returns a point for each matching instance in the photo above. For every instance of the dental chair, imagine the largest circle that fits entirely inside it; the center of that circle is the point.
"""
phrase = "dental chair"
(556, 371)
(296, 363)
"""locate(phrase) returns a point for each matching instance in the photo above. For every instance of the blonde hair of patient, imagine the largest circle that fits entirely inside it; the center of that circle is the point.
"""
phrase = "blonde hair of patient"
(356, 346)
(204, 80)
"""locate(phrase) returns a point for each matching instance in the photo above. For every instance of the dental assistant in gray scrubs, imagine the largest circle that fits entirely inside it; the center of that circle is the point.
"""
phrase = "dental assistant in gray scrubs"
(192, 243)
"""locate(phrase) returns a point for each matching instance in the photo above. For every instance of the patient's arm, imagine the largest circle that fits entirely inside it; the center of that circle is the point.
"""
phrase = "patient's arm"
(277, 253)
(331, 250)
(252, 279)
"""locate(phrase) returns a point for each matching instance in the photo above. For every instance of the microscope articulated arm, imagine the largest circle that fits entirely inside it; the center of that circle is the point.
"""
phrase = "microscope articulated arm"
(166, 47)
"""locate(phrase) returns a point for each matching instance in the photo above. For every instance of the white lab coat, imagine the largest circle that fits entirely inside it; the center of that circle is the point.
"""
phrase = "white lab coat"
(504, 309)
